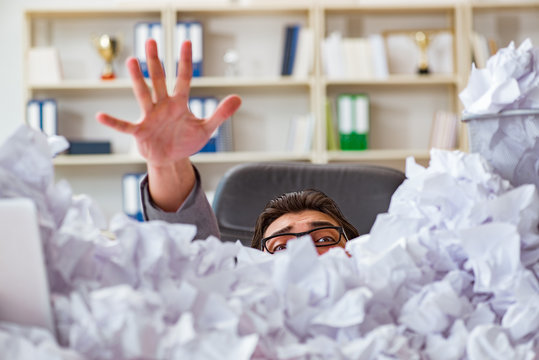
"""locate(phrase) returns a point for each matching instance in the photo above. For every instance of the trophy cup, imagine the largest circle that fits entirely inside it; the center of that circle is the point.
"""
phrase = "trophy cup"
(422, 40)
(108, 47)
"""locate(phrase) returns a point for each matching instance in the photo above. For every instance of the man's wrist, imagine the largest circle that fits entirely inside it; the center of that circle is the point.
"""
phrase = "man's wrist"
(169, 185)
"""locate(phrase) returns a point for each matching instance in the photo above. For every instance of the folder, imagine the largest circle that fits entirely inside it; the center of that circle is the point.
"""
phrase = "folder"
(33, 114)
(290, 48)
(191, 30)
(132, 204)
(144, 31)
(353, 119)
(43, 115)
(49, 117)
(222, 137)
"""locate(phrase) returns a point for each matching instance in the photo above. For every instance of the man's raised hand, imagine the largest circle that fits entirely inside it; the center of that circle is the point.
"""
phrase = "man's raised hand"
(167, 131)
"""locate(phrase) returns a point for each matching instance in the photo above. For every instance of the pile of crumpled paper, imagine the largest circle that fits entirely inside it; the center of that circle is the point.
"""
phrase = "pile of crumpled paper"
(449, 272)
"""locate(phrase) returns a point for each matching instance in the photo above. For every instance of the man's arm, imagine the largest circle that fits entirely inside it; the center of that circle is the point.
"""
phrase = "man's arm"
(167, 132)
(195, 209)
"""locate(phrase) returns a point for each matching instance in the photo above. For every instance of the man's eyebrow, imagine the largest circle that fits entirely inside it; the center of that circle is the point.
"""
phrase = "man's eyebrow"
(321, 223)
(281, 231)
(312, 224)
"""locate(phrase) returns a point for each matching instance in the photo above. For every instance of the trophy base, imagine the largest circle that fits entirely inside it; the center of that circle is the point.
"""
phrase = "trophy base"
(423, 71)
(110, 76)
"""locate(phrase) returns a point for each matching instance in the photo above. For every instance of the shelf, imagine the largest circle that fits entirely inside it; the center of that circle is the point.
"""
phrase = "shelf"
(390, 7)
(223, 157)
(101, 159)
(377, 155)
(199, 82)
(228, 9)
(227, 82)
(84, 84)
(412, 80)
(508, 5)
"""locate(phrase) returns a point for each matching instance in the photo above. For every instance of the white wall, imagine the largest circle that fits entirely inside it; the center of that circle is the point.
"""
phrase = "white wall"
(12, 108)
(11, 69)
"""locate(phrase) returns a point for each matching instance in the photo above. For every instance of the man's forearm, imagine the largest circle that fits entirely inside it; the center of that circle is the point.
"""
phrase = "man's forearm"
(170, 185)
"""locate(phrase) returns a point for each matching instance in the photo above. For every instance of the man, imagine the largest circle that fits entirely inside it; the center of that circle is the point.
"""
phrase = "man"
(168, 133)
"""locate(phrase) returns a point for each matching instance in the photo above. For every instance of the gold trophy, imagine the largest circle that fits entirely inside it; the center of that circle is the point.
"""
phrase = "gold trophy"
(422, 40)
(108, 47)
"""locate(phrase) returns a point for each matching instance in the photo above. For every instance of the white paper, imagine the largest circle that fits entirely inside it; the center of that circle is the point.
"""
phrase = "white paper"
(450, 271)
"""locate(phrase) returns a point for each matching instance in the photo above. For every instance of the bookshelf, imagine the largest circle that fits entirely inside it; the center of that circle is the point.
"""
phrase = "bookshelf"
(402, 105)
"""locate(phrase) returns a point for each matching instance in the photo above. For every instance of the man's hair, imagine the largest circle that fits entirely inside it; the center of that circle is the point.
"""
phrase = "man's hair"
(295, 202)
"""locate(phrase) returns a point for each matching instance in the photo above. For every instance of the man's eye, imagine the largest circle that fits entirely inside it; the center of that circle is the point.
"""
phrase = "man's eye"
(279, 247)
(324, 239)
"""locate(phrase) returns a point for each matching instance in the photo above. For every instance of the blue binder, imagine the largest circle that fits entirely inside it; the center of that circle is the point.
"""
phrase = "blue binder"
(290, 48)
(191, 30)
(132, 203)
(43, 115)
(221, 139)
(143, 31)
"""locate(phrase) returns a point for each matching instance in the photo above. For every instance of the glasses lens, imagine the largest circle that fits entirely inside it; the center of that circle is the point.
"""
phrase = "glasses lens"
(278, 243)
(324, 236)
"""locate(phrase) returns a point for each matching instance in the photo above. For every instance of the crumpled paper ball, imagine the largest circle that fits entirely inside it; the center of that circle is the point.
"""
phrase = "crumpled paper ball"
(510, 80)
(449, 272)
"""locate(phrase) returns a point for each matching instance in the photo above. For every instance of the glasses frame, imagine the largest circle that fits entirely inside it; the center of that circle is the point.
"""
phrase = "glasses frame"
(340, 229)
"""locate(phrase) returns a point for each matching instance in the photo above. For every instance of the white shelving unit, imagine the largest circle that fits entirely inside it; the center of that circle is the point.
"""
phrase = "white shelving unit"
(402, 105)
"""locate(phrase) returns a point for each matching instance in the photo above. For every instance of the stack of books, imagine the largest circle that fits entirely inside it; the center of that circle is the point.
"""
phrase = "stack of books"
(354, 58)
(297, 51)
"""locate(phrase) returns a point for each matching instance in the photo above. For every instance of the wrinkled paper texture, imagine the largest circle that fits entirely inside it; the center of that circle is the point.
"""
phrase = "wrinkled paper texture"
(449, 272)
(510, 81)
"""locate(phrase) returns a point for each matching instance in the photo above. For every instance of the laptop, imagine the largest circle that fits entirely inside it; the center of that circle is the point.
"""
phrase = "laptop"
(24, 289)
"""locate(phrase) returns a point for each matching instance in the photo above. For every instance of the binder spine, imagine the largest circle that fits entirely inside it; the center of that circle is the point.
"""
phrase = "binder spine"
(132, 204)
(222, 137)
(193, 31)
(353, 115)
(143, 32)
(43, 115)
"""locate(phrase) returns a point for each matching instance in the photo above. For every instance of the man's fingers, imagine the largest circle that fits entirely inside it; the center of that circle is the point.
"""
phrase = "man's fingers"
(140, 88)
(117, 124)
(185, 73)
(226, 108)
(156, 71)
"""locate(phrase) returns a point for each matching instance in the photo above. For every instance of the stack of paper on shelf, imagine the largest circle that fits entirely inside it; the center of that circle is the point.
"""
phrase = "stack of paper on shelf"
(145, 30)
(44, 65)
(300, 134)
(355, 58)
(444, 130)
(303, 63)
(480, 50)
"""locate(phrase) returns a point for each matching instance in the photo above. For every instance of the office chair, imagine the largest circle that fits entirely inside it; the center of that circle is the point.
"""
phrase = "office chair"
(361, 191)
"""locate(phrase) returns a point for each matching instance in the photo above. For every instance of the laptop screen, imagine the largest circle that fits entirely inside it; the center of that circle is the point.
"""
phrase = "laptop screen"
(24, 290)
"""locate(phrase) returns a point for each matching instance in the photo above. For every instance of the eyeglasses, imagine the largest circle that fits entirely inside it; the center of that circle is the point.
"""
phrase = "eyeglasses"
(322, 236)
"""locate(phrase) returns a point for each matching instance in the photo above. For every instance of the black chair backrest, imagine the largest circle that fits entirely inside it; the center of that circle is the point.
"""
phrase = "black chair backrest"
(361, 191)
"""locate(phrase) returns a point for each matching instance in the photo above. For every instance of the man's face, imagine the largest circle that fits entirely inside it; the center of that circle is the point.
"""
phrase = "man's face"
(303, 221)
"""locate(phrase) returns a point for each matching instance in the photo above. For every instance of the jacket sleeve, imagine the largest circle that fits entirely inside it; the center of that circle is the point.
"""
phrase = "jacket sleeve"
(195, 210)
